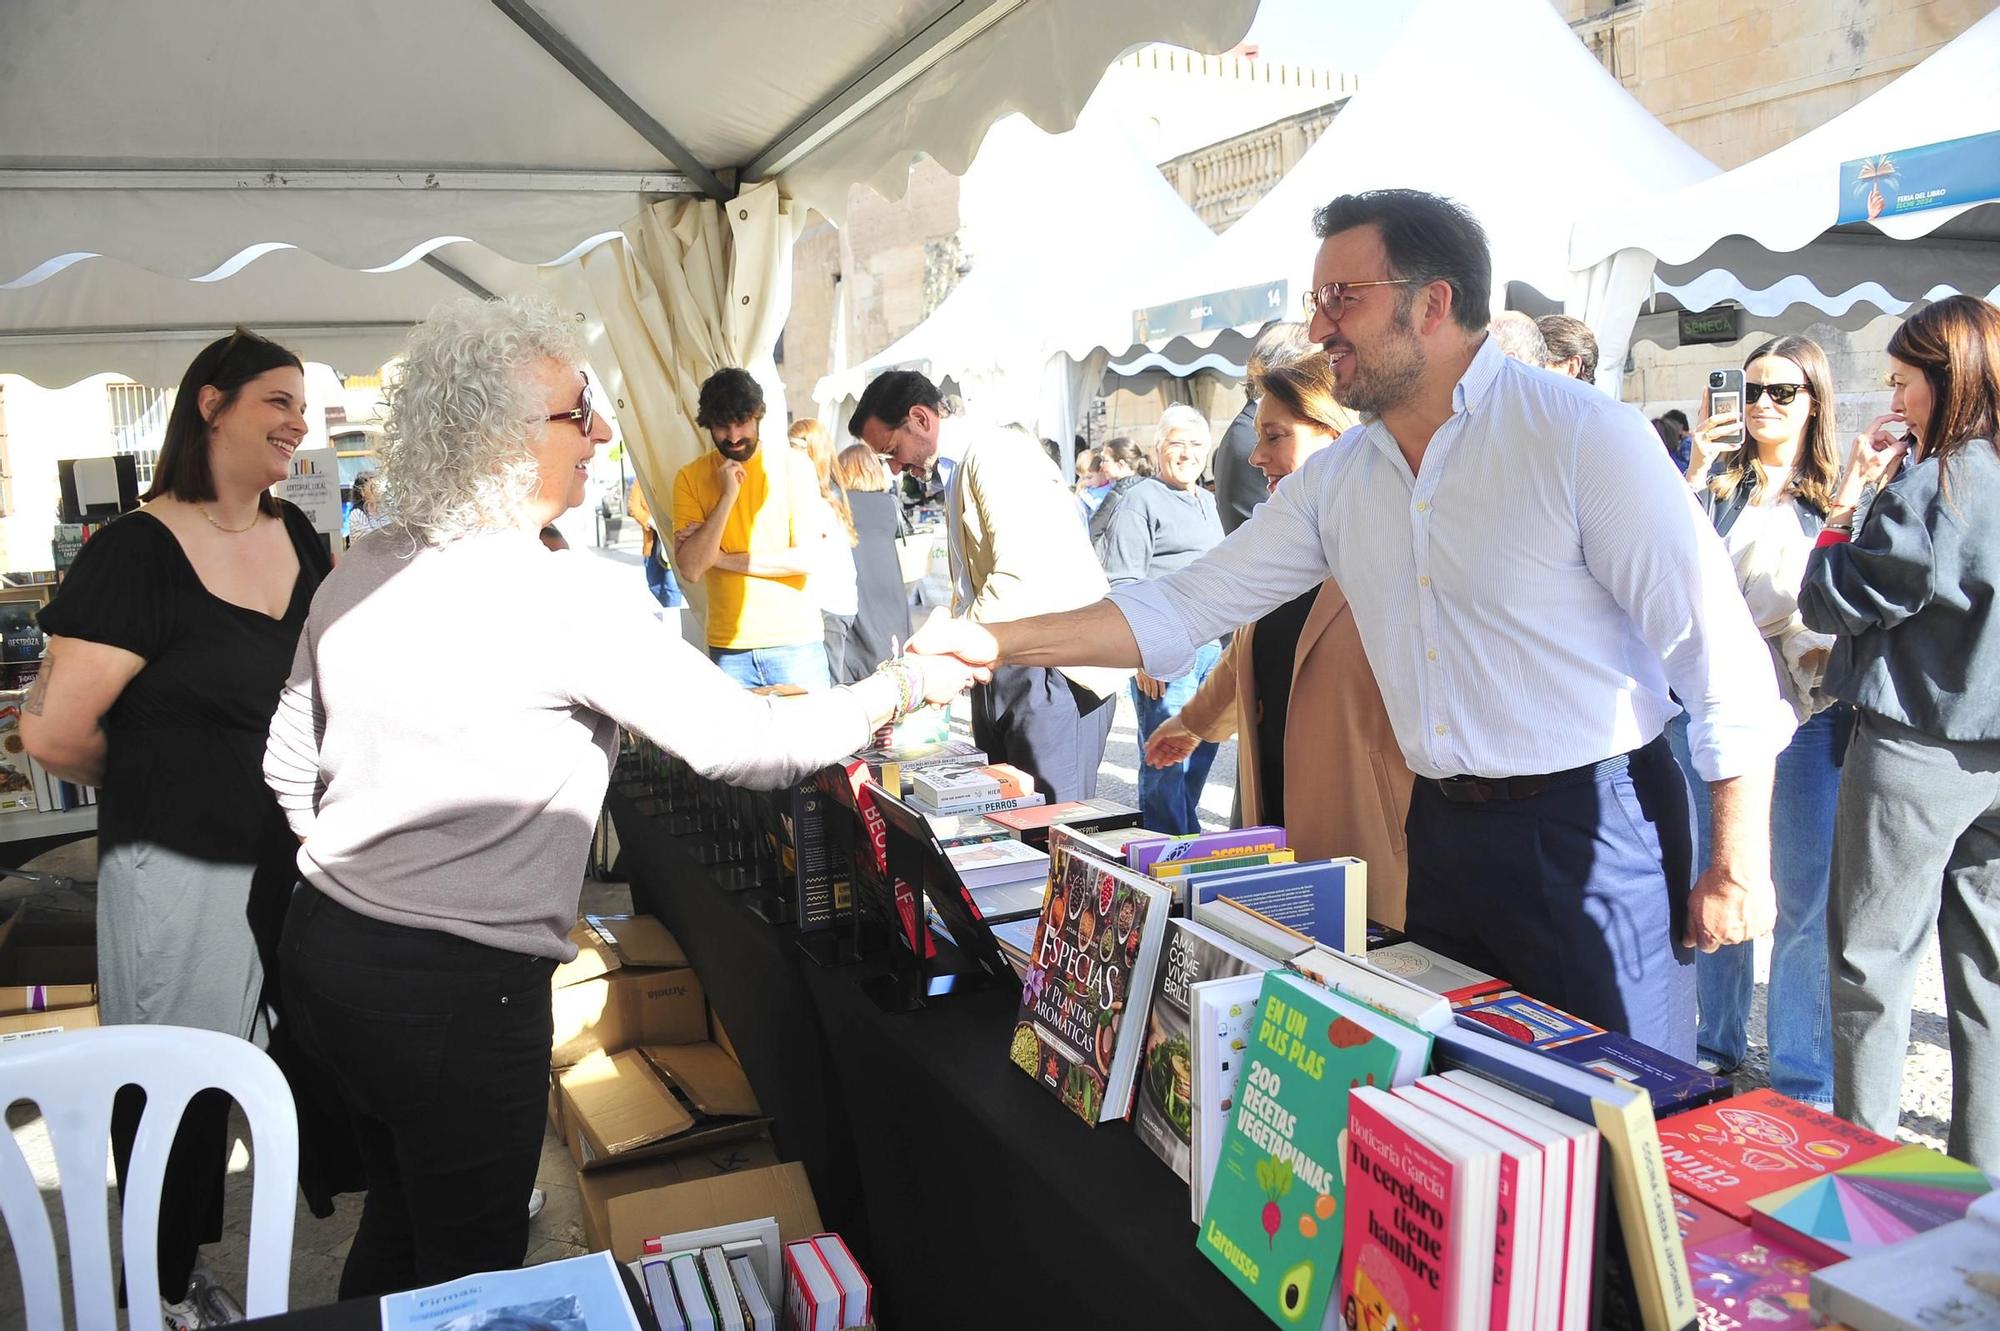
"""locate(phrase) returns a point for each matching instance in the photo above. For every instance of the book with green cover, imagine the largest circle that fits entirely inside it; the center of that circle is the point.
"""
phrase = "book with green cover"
(1273, 1217)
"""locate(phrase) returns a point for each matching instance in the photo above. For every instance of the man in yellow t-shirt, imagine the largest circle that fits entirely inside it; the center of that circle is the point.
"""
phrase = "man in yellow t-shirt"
(747, 525)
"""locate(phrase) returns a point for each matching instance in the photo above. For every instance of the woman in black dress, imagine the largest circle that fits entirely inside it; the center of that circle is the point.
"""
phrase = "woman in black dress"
(168, 645)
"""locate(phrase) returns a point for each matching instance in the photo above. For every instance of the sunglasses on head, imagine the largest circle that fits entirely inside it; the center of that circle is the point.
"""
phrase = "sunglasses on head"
(1782, 394)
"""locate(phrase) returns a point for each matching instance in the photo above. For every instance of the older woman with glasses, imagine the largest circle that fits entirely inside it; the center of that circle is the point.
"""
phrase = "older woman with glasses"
(442, 750)
(1160, 524)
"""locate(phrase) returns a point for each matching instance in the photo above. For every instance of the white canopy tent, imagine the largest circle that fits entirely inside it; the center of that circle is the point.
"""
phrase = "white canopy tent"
(1065, 231)
(1768, 234)
(1441, 113)
(478, 138)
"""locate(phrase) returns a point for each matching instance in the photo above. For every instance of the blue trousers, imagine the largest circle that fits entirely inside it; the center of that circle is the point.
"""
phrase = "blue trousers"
(660, 581)
(1170, 797)
(1798, 1016)
(800, 663)
(1577, 895)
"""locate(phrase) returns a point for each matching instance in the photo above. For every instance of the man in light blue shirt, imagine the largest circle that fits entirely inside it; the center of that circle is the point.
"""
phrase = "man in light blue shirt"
(1530, 579)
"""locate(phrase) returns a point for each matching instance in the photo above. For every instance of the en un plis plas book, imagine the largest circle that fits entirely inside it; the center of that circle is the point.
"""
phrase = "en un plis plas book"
(1273, 1219)
(1948, 1277)
(1163, 1108)
(1421, 1206)
(1624, 1115)
(1083, 1018)
(578, 1294)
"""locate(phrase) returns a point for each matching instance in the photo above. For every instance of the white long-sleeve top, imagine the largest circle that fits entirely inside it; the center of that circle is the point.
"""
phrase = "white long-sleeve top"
(1526, 600)
(444, 742)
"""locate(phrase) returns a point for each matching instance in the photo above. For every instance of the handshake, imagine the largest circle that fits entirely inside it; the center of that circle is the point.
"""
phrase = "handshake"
(951, 655)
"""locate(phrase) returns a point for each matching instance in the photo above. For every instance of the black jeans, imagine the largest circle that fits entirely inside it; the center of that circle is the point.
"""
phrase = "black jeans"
(439, 1049)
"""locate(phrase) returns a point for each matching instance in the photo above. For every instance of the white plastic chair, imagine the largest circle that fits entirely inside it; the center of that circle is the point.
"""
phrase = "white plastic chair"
(71, 1077)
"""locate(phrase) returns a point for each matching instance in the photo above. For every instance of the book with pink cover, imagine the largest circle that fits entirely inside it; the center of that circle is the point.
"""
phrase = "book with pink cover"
(1746, 1279)
(1420, 1218)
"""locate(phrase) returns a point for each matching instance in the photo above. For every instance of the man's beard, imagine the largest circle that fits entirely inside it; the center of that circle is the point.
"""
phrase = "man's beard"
(1388, 378)
(737, 450)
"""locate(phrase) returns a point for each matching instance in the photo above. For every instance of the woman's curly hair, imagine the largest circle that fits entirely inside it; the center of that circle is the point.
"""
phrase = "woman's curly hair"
(464, 409)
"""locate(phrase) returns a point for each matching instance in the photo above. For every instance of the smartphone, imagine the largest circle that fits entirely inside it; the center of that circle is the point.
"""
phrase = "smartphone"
(1725, 394)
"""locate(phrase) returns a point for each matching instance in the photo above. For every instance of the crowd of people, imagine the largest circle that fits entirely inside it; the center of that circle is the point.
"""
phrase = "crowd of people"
(1596, 720)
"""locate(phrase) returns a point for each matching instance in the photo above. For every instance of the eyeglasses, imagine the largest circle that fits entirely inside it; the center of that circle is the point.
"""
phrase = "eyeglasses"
(1782, 394)
(888, 445)
(585, 414)
(1336, 298)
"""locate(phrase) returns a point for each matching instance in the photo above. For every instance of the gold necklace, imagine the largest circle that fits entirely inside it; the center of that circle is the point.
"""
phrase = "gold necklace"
(234, 531)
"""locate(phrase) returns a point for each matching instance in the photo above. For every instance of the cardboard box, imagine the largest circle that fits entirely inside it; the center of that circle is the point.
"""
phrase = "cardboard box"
(628, 985)
(637, 1104)
(600, 1187)
(630, 1218)
(605, 943)
(48, 974)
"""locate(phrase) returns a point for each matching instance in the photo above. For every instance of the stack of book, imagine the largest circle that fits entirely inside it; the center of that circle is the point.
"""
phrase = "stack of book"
(1785, 1210)
(963, 789)
(1326, 900)
(825, 1289)
(1006, 878)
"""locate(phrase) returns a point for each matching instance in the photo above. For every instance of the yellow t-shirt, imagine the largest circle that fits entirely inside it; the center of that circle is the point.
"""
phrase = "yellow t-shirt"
(776, 507)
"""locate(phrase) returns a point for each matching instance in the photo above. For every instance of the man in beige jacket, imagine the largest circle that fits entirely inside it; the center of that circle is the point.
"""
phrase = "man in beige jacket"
(1017, 549)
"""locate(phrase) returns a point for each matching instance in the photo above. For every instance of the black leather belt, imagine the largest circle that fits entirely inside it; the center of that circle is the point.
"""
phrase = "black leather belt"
(1483, 789)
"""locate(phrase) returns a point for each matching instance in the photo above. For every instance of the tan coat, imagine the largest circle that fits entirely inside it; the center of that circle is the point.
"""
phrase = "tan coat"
(1347, 790)
(1018, 536)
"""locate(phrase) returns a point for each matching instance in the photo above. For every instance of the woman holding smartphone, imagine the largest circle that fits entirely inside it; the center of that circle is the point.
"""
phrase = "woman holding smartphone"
(1768, 497)
(1908, 579)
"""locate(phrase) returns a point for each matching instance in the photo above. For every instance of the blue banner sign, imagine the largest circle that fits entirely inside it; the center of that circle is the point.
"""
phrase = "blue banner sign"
(1254, 306)
(1937, 175)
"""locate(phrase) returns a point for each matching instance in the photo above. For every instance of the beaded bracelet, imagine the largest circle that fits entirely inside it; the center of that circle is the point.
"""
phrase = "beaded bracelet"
(908, 690)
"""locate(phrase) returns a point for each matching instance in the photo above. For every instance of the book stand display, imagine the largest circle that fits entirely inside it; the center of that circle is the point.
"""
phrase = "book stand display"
(921, 972)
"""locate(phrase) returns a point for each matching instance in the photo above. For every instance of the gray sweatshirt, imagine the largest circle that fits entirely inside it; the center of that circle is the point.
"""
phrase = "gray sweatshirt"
(444, 742)
(1156, 529)
(1912, 599)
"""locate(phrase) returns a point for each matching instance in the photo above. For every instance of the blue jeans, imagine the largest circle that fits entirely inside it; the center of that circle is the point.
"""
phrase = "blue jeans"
(801, 663)
(1170, 797)
(660, 581)
(1799, 1004)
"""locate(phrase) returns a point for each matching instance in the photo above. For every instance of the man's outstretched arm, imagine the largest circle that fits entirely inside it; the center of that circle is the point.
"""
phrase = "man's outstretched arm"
(1095, 635)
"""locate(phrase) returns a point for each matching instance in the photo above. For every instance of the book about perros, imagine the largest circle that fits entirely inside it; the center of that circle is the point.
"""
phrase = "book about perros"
(1273, 1219)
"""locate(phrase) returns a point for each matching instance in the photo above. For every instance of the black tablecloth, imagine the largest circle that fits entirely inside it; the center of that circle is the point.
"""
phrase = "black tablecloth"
(974, 1199)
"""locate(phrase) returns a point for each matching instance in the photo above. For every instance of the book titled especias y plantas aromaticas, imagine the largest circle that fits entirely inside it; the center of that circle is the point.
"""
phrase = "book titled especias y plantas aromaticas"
(1083, 1000)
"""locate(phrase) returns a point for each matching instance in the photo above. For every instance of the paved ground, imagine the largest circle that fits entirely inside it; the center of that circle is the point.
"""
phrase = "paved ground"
(319, 1246)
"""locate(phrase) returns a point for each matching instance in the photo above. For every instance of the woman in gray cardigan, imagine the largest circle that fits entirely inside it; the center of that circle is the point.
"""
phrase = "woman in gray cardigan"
(1909, 588)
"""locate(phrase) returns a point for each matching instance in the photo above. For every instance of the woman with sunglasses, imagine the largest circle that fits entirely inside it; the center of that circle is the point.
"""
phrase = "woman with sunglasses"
(442, 750)
(1768, 498)
(1907, 579)
(168, 644)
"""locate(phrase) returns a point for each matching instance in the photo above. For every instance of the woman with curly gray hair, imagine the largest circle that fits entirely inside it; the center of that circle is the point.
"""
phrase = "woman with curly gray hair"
(442, 749)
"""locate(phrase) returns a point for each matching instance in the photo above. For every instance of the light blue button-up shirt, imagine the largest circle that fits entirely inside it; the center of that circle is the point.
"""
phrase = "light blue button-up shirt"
(1526, 601)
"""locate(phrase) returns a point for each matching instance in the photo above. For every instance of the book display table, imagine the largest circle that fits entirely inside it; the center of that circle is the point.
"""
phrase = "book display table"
(973, 1197)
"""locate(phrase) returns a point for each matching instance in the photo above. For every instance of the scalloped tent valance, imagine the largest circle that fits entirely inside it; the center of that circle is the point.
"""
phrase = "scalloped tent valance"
(368, 133)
